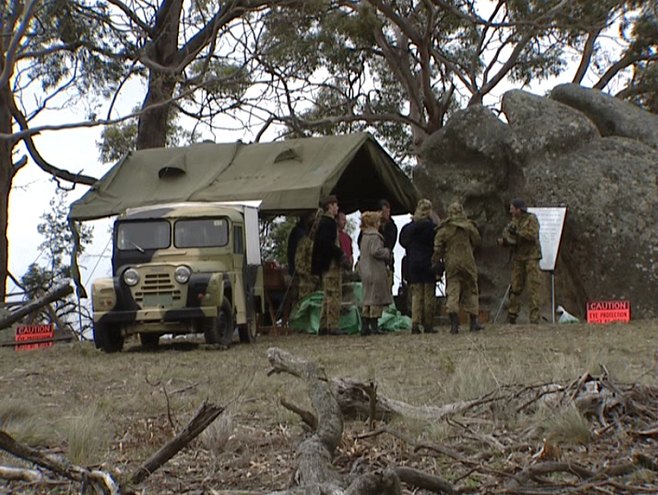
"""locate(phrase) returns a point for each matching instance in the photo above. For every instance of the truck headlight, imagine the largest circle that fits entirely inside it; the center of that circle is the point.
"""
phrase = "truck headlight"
(182, 274)
(131, 277)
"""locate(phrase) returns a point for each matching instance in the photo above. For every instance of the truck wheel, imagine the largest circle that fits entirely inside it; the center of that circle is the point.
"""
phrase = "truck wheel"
(248, 332)
(221, 329)
(107, 337)
(149, 340)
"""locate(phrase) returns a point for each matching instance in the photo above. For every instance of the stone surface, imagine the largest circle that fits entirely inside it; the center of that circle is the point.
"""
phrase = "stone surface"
(553, 154)
(612, 116)
(534, 120)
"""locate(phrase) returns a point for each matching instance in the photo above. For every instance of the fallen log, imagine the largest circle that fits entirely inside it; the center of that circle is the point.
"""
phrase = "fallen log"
(57, 292)
(19, 474)
(315, 472)
(356, 400)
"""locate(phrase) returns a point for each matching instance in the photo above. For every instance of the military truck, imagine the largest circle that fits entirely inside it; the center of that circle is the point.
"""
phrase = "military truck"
(150, 293)
(180, 269)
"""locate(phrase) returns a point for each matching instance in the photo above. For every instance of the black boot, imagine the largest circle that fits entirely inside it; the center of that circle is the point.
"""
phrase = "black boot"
(475, 326)
(429, 328)
(454, 323)
(375, 327)
(365, 327)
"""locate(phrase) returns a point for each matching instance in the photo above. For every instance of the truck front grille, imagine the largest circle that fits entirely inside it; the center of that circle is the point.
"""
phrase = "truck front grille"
(157, 288)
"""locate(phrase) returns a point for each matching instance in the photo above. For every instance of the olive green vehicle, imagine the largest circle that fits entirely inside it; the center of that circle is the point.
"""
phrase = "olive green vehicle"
(194, 266)
(180, 269)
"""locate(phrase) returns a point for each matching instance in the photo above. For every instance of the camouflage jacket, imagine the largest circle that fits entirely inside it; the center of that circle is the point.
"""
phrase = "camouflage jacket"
(454, 241)
(522, 236)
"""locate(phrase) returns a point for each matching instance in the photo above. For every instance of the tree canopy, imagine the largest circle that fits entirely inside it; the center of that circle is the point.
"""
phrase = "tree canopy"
(403, 67)
(397, 68)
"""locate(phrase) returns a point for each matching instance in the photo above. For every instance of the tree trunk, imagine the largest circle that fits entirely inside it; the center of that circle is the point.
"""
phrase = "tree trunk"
(6, 177)
(153, 122)
(161, 54)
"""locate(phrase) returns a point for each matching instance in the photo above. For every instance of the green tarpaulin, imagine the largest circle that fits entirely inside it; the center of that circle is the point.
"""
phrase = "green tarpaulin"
(287, 176)
(306, 313)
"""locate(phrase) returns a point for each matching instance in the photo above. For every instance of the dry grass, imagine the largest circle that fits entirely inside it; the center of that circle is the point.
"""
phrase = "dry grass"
(87, 436)
(568, 426)
(117, 408)
(18, 418)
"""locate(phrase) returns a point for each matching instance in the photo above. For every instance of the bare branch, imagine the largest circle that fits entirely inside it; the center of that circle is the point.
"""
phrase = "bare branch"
(586, 57)
(60, 466)
(10, 54)
(628, 59)
(130, 13)
(40, 161)
(206, 414)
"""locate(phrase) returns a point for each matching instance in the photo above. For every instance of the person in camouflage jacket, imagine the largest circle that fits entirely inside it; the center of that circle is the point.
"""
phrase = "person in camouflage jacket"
(307, 283)
(326, 262)
(455, 239)
(521, 235)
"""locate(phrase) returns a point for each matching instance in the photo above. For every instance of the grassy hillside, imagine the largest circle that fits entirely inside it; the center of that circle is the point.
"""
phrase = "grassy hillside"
(118, 409)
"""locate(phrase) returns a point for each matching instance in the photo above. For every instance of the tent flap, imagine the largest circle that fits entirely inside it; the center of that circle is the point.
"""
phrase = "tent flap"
(287, 176)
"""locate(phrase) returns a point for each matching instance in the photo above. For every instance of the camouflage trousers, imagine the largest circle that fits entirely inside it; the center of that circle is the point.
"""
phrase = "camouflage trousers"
(524, 272)
(331, 297)
(307, 284)
(462, 288)
(422, 303)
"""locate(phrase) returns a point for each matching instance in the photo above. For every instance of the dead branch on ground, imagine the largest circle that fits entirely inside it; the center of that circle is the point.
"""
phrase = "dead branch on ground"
(102, 481)
(314, 469)
(51, 295)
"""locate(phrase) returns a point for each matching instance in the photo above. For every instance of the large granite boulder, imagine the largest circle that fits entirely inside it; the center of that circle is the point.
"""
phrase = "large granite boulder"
(551, 153)
(533, 121)
(612, 116)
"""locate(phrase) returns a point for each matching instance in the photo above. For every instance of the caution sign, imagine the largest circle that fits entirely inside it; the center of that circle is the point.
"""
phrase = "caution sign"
(608, 311)
(29, 337)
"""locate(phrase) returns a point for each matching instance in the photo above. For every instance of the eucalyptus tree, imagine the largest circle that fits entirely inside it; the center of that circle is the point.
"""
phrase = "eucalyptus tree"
(53, 53)
(192, 61)
(401, 67)
(56, 53)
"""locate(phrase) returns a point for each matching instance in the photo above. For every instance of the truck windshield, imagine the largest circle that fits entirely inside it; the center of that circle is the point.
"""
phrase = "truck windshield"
(140, 236)
(201, 232)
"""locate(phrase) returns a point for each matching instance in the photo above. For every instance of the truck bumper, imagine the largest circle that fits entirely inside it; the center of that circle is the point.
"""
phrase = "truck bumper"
(156, 315)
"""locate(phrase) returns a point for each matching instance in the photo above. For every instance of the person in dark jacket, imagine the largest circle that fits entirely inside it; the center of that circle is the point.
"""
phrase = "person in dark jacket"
(389, 231)
(417, 237)
(326, 263)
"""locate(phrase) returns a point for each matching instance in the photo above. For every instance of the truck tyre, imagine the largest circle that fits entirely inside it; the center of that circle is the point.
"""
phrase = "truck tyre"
(149, 340)
(248, 332)
(107, 337)
(221, 329)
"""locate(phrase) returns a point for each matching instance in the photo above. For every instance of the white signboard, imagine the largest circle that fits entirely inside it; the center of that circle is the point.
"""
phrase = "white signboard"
(551, 223)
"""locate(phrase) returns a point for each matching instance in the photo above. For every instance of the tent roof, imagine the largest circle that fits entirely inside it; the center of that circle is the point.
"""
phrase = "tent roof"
(287, 176)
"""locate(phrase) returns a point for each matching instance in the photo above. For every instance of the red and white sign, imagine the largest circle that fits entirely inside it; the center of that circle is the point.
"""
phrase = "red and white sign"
(608, 311)
(26, 335)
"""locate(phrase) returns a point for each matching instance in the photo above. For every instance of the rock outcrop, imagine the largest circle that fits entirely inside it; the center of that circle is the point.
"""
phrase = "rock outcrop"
(579, 148)
(612, 117)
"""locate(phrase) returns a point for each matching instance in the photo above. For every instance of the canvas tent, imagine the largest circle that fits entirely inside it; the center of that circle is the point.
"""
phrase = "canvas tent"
(287, 176)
